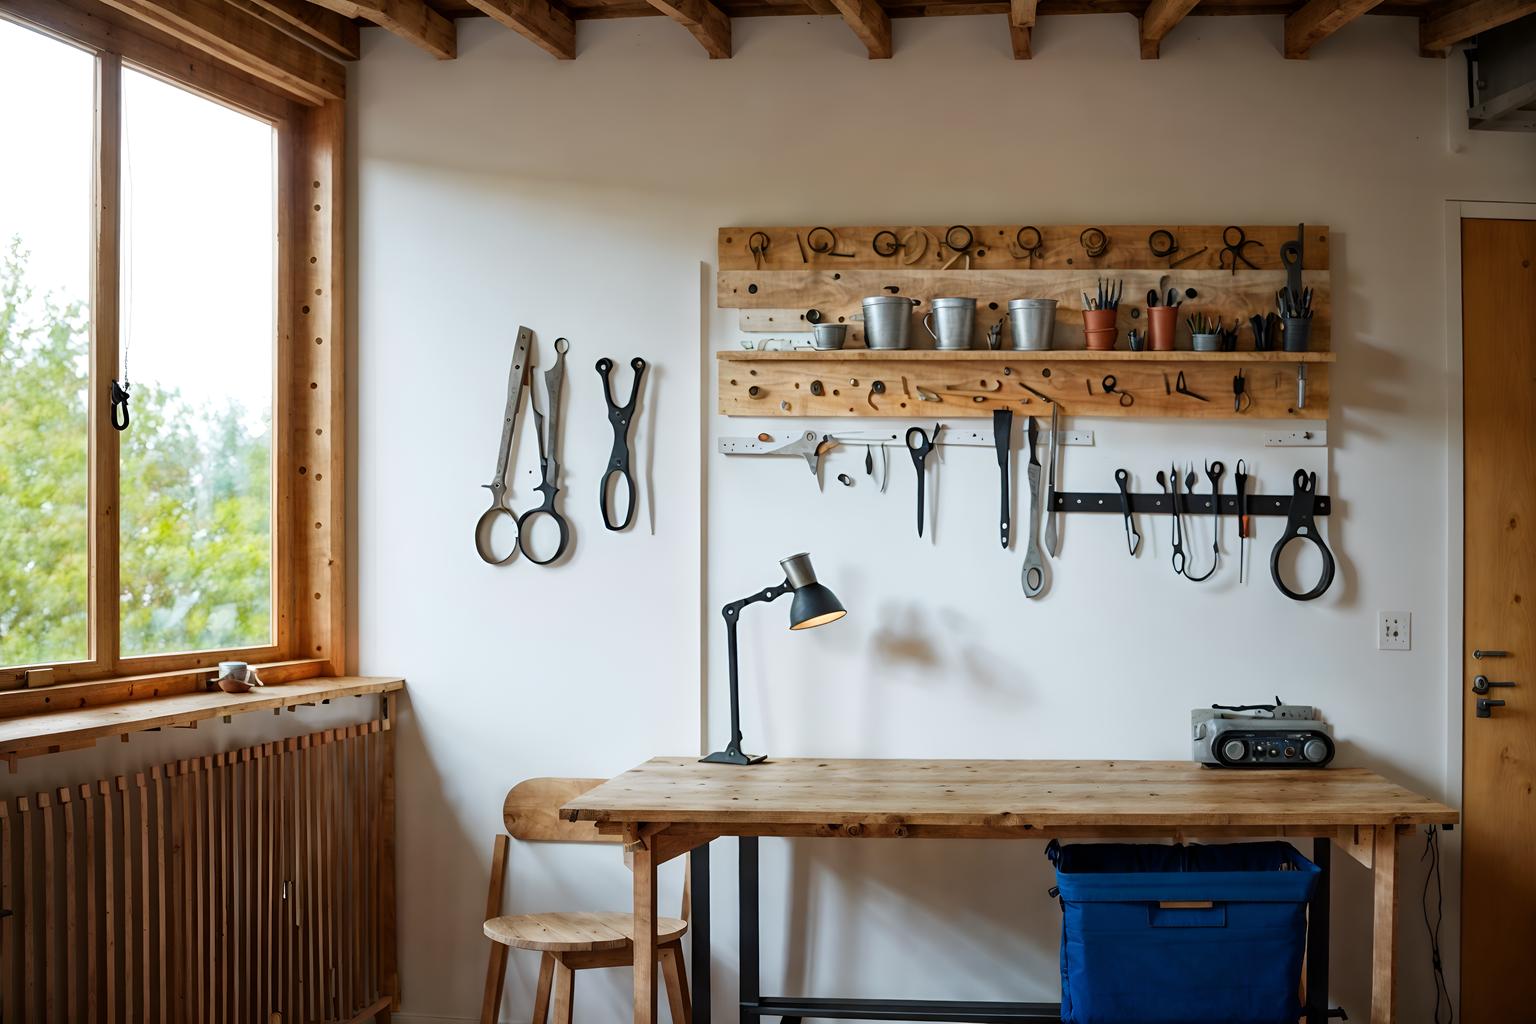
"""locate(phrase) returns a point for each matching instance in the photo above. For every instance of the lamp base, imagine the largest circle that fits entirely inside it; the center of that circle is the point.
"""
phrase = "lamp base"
(731, 755)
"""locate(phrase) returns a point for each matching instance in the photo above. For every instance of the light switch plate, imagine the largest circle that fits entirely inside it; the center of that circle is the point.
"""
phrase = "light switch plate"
(1394, 631)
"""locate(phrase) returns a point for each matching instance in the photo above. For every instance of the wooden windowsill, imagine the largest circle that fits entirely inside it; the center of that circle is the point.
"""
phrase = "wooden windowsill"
(47, 732)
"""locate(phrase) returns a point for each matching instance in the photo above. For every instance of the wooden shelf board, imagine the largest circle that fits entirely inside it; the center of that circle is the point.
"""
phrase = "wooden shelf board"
(1057, 355)
(48, 731)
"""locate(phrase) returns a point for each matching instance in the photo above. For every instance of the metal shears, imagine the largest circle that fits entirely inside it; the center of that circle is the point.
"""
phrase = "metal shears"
(620, 417)
(549, 463)
(498, 485)
(1234, 243)
(919, 453)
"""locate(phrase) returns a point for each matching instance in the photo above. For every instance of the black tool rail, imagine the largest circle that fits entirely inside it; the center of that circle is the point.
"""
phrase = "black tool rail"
(1189, 504)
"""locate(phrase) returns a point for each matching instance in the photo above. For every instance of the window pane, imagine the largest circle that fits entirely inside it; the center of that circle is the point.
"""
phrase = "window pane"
(198, 333)
(45, 271)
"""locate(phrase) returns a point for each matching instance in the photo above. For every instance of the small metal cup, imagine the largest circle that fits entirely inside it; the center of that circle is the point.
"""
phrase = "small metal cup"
(1033, 322)
(951, 323)
(829, 336)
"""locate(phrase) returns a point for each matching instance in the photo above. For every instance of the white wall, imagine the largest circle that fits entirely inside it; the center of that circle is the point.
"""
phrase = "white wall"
(581, 199)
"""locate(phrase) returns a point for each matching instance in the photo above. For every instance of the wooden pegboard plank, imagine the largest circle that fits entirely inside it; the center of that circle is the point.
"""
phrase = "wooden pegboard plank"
(839, 293)
(972, 384)
(995, 248)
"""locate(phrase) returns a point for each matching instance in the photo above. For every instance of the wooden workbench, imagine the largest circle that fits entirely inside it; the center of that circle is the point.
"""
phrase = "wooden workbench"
(673, 805)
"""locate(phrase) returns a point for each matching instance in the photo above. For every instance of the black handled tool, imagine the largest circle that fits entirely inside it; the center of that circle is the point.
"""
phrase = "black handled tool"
(548, 430)
(1052, 541)
(1240, 477)
(620, 416)
(1034, 565)
(1213, 472)
(1180, 563)
(1002, 437)
(919, 453)
(1300, 523)
(1132, 535)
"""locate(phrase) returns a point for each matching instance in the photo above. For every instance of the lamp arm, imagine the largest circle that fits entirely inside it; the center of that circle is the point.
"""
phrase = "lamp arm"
(732, 612)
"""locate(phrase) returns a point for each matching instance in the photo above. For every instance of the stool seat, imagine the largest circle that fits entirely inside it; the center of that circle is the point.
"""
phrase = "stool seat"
(576, 932)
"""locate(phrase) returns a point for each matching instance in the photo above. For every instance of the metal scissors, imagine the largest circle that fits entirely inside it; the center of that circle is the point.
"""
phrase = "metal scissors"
(1179, 560)
(919, 453)
(549, 462)
(1109, 385)
(757, 245)
(498, 484)
(1235, 247)
(620, 416)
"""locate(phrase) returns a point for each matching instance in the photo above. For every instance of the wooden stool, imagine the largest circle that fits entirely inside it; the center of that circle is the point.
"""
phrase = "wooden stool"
(569, 942)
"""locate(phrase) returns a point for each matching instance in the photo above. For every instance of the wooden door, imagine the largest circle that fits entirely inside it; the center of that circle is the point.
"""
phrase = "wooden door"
(1499, 751)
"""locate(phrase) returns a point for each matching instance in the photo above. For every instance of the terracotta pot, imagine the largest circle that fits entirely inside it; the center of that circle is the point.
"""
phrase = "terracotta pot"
(1162, 328)
(1102, 339)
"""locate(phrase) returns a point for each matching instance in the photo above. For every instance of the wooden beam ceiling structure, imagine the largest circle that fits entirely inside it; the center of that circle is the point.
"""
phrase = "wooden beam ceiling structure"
(1318, 20)
(1160, 18)
(708, 23)
(411, 20)
(540, 22)
(325, 30)
(870, 23)
(1456, 22)
(1021, 27)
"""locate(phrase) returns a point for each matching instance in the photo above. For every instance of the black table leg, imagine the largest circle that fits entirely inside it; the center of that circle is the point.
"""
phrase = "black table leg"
(748, 941)
(1317, 936)
(698, 903)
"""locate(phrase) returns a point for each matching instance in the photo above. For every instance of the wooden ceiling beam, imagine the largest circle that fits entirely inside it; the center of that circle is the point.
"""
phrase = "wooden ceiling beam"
(870, 23)
(1158, 21)
(1463, 21)
(411, 20)
(538, 21)
(1317, 20)
(245, 42)
(708, 23)
(1021, 27)
(325, 30)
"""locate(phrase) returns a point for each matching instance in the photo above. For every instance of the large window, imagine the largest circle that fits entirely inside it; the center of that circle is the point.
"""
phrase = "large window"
(149, 254)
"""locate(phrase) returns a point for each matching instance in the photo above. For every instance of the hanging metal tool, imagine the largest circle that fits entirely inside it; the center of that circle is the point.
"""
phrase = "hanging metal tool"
(823, 242)
(959, 240)
(1132, 535)
(1178, 558)
(1111, 387)
(1240, 477)
(1050, 490)
(1002, 438)
(1183, 389)
(919, 453)
(498, 485)
(1094, 241)
(1242, 401)
(1301, 524)
(757, 245)
(549, 461)
(1235, 242)
(1034, 566)
(119, 401)
(620, 416)
(1027, 243)
(1213, 472)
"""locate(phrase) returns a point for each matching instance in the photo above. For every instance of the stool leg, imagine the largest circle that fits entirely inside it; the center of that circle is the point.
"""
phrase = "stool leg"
(495, 978)
(676, 974)
(565, 984)
(541, 996)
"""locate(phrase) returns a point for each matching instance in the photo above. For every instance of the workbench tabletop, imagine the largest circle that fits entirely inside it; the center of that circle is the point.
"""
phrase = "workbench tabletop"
(1000, 794)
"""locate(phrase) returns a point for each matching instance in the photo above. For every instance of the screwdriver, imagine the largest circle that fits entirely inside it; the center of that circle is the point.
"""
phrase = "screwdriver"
(1242, 520)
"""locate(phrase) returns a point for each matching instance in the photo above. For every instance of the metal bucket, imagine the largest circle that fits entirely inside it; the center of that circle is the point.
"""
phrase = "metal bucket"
(887, 321)
(951, 323)
(1033, 321)
(829, 336)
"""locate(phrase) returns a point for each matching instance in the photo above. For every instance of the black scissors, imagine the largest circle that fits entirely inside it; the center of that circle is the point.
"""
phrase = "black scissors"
(618, 460)
(1235, 248)
(549, 463)
(1242, 401)
(1109, 384)
(1180, 563)
(919, 457)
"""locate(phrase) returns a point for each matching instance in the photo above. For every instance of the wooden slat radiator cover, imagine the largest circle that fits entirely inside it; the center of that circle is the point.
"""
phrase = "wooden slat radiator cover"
(254, 885)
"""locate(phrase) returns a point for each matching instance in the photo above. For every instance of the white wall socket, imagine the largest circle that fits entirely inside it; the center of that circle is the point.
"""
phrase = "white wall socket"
(1394, 631)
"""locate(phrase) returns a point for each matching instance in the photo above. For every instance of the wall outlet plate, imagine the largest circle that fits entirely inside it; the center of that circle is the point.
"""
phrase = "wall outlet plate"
(1394, 631)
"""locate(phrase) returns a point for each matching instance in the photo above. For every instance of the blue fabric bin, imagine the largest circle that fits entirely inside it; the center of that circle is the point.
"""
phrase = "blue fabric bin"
(1128, 956)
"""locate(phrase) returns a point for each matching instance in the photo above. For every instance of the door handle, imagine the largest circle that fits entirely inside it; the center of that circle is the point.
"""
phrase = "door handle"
(1485, 707)
(1480, 654)
(1482, 684)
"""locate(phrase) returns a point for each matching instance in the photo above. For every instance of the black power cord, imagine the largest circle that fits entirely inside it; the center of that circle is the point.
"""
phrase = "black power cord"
(1442, 990)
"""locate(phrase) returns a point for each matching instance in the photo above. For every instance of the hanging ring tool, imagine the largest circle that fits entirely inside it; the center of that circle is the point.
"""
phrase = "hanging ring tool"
(823, 242)
(1034, 565)
(1162, 243)
(757, 245)
(959, 240)
(919, 454)
(620, 417)
(1051, 539)
(498, 484)
(1110, 385)
(1094, 242)
(1301, 523)
(119, 407)
(1235, 242)
(1183, 389)
(549, 461)
(1132, 535)
(1240, 477)
(1027, 243)
(1002, 440)
(1213, 472)
(885, 243)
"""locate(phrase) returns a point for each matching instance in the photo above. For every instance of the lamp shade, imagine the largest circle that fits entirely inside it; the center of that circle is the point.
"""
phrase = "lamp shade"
(813, 604)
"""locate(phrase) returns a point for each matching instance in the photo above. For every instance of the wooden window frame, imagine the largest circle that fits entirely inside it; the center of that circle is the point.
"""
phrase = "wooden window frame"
(309, 598)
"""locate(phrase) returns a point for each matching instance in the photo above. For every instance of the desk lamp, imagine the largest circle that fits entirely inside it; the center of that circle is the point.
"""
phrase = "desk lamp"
(813, 605)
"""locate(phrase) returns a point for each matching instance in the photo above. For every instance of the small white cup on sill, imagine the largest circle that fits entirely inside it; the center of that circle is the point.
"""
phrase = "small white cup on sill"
(237, 677)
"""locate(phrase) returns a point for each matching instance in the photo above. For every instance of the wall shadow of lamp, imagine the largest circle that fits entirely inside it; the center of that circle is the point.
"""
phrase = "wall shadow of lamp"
(813, 605)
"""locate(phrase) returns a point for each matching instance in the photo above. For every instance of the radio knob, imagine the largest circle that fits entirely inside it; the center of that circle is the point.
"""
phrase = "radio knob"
(1315, 750)
(1233, 750)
